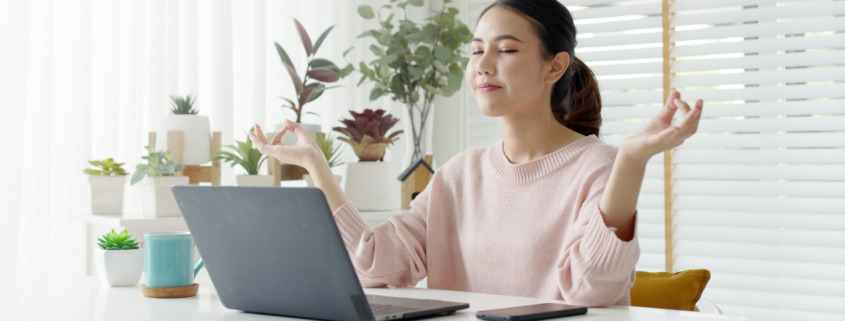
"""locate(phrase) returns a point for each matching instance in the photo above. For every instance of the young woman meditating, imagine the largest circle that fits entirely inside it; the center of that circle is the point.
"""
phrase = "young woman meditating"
(549, 211)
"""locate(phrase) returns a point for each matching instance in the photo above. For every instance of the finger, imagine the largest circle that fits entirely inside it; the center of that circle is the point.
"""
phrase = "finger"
(689, 124)
(682, 105)
(301, 134)
(277, 138)
(669, 109)
(258, 135)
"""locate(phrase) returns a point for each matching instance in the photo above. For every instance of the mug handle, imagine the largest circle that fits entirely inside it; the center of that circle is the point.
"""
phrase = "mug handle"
(198, 267)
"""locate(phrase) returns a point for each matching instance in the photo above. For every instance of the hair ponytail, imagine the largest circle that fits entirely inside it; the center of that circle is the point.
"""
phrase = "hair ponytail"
(576, 102)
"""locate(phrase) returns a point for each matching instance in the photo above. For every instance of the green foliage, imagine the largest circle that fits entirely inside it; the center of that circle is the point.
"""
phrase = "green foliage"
(183, 105)
(114, 241)
(106, 167)
(318, 72)
(158, 164)
(331, 150)
(245, 155)
(416, 60)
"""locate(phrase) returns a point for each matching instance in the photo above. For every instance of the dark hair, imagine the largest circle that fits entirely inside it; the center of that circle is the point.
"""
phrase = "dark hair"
(576, 102)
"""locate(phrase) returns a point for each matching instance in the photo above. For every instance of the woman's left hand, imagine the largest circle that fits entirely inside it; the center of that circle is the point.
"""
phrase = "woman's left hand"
(659, 134)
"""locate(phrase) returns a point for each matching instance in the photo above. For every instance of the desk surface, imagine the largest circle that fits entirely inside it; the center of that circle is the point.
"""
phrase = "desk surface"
(86, 299)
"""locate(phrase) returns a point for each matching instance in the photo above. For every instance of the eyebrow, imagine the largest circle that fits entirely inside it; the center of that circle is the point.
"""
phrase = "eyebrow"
(499, 38)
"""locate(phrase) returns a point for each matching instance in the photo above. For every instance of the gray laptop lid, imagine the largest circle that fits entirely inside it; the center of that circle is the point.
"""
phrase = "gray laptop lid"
(276, 250)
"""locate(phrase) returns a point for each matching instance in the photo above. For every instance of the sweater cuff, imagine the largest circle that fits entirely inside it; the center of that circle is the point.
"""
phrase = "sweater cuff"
(350, 223)
(608, 252)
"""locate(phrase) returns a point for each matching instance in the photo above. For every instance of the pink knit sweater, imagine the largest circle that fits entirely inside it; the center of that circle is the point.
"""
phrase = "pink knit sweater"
(485, 225)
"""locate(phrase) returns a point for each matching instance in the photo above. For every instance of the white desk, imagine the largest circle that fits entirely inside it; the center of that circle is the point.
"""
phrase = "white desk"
(85, 299)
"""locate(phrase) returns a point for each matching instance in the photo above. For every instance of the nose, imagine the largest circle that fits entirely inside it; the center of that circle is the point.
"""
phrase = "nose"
(484, 65)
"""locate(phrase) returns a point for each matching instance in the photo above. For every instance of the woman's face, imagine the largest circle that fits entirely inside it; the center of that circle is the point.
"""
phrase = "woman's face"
(507, 71)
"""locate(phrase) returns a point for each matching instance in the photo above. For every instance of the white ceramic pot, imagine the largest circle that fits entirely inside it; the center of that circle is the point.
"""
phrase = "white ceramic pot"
(372, 186)
(119, 267)
(254, 180)
(156, 197)
(310, 182)
(196, 140)
(106, 194)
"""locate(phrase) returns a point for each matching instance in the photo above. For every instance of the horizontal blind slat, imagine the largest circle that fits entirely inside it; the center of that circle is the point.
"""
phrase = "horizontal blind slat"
(751, 265)
(760, 203)
(793, 10)
(797, 59)
(758, 188)
(758, 219)
(755, 46)
(796, 26)
(761, 77)
(685, 156)
(799, 172)
(824, 140)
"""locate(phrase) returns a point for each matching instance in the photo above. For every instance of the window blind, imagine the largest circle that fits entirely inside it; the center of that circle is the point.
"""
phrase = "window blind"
(757, 196)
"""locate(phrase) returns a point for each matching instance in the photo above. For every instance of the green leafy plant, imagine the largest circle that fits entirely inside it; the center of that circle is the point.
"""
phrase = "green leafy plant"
(106, 167)
(331, 150)
(183, 105)
(317, 73)
(416, 60)
(243, 154)
(366, 132)
(158, 164)
(117, 241)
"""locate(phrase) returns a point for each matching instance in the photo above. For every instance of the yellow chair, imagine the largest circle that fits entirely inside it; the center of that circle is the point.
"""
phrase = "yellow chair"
(668, 290)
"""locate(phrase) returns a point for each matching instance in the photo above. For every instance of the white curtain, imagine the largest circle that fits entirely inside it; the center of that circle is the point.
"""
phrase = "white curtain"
(88, 79)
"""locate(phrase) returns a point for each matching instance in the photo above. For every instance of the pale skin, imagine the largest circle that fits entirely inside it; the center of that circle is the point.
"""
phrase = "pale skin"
(511, 79)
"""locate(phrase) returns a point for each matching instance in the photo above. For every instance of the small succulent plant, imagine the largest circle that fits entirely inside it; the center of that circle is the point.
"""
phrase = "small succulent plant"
(367, 133)
(247, 156)
(183, 105)
(106, 167)
(117, 241)
(159, 164)
(331, 150)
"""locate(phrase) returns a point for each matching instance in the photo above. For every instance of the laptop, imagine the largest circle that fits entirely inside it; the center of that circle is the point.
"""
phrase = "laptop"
(277, 250)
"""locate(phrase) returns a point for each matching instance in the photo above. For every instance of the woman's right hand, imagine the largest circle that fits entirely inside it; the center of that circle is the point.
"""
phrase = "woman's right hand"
(304, 153)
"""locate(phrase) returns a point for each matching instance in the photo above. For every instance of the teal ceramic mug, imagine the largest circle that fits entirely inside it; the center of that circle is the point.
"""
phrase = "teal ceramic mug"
(169, 260)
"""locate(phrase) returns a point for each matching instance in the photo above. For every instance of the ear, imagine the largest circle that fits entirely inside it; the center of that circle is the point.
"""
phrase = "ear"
(557, 67)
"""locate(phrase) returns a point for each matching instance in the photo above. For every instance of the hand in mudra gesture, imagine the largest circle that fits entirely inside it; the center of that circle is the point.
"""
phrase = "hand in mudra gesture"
(304, 153)
(659, 134)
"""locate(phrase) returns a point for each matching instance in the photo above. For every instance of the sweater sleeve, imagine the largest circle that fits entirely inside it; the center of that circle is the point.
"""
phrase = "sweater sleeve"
(390, 254)
(597, 268)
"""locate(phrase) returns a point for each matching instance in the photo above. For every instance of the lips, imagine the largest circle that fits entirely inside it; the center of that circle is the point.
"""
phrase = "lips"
(487, 87)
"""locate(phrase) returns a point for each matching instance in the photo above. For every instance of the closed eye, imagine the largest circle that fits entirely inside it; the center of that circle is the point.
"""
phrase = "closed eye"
(507, 51)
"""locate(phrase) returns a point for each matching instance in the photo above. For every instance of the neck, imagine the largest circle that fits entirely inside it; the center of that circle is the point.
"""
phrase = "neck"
(527, 137)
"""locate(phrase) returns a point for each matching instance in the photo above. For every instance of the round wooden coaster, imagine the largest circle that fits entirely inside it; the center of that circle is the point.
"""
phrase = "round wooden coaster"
(177, 292)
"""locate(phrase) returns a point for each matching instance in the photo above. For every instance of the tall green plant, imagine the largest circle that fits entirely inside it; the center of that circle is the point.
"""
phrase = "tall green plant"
(158, 164)
(244, 155)
(331, 150)
(416, 60)
(318, 72)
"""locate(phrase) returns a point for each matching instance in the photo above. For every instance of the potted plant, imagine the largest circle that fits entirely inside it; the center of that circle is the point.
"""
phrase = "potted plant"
(332, 151)
(416, 60)
(158, 175)
(369, 183)
(119, 260)
(250, 159)
(317, 73)
(196, 130)
(106, 178)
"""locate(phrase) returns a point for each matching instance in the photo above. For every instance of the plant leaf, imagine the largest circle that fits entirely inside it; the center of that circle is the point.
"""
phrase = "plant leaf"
(366, 12)
(321, 38)
(324, 75)
(306, 40)
(297, 83)
(284, 56)
(416, 3)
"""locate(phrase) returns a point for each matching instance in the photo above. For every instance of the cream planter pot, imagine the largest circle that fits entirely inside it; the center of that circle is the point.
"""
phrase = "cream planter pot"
(156, 197)
(372, 186)
(290, 138)
(119, 267)
(106, 194)
(196, 140)
(254, 180)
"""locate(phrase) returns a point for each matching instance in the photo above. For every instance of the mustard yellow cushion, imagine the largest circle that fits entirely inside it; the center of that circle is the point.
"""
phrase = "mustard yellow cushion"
(667, 290)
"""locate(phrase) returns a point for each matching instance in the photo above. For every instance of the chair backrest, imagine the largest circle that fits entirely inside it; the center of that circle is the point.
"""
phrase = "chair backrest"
(668, 290)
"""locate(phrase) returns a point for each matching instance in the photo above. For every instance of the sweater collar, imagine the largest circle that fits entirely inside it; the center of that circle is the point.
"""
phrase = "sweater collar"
(537, 168)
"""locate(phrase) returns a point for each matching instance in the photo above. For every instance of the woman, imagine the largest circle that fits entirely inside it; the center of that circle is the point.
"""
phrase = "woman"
(549, 211)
